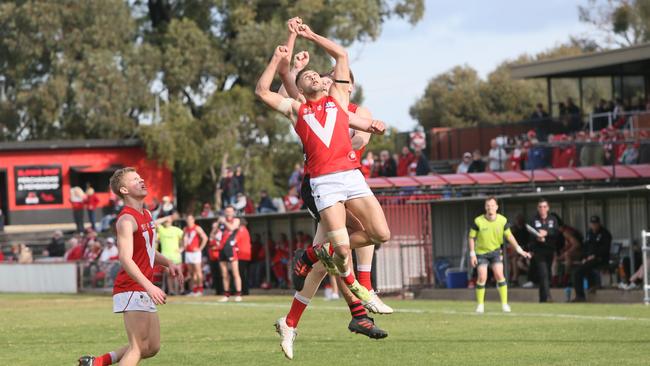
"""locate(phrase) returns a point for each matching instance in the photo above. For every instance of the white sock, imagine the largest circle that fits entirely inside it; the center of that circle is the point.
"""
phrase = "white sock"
(113, 356)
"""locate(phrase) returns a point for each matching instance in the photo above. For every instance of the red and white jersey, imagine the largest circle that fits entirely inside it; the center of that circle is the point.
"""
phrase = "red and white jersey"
(191, 239)
(323, 127)
(144, 251)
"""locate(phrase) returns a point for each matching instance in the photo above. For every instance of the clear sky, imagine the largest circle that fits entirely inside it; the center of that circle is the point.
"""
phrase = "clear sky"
(395, 69)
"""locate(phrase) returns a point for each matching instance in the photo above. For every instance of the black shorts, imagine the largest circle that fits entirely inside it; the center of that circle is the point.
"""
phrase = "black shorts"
(490, 258)
(227, 254)
(308, 198)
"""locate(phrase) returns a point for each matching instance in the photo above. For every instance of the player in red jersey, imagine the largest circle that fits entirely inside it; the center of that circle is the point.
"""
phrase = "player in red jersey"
(134, 294)
(194, 239)
(322, 124)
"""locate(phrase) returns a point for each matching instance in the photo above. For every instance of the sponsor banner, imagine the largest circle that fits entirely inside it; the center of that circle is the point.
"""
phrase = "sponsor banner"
(38, 185)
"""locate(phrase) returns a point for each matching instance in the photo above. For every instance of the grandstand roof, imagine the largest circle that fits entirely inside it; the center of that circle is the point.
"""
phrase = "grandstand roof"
(633, 60)
(67, 144)
(561, 175)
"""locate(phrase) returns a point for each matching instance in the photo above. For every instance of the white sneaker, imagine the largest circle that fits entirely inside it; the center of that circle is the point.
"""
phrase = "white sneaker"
(197, 294)
(506, 308)
(622, 285)
(528, 284)
(238, 299)
(480, 308)
(631, 286)
(335, 296)
(223, 299)
(287, 336)
(377, 306)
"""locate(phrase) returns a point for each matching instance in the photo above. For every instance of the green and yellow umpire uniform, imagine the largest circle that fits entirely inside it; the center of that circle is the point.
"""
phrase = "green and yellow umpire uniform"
(488, 237)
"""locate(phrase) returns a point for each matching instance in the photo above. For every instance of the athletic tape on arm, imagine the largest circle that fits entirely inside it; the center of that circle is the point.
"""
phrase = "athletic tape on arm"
(285, 105)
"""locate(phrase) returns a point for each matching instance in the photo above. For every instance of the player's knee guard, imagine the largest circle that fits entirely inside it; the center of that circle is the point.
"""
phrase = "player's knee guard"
(339, 238)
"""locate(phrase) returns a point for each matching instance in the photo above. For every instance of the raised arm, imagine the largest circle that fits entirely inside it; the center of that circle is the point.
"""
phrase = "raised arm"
(286, 106)
(288, 77)
(341, 69)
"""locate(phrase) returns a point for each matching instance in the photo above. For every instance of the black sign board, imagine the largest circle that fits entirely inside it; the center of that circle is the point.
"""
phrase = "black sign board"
(38, 185)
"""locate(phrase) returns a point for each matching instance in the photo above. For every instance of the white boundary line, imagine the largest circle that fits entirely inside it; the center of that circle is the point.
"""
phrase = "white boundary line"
(423, 311)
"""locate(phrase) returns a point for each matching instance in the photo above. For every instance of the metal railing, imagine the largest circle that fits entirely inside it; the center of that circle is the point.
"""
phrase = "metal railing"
(627, 119)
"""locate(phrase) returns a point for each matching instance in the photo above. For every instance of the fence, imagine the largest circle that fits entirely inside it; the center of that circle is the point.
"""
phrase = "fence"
(406, 261)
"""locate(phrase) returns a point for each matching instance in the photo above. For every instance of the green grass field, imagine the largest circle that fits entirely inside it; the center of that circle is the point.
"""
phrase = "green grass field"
(56, 329)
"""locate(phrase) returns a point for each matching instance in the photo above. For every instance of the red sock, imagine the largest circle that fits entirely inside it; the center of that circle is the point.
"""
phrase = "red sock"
(357, 310)
(226, 293)
(194, 288)
(104, 360)
(348, 278)
(238, 293)
(298, 305)
(364, 279)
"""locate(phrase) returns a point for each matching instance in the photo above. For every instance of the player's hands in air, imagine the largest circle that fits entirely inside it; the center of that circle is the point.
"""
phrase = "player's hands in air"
(300, 60)
(176, 272)
(281, 52)
(157, 295)
(473, 261)
(377, 127)
(293, 24)
(303, 30)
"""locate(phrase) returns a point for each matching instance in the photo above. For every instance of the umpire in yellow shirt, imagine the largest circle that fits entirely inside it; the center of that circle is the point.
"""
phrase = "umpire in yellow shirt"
(485, 239)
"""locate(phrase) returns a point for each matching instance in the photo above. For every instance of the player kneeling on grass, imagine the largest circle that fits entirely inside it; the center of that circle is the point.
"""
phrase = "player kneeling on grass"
(485, 240)
(134, 294)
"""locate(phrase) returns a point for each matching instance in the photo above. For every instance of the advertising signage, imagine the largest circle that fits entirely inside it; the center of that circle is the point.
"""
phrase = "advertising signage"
(38, 185)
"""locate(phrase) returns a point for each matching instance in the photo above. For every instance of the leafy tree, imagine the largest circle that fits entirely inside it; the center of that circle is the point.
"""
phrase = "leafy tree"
(459, 97)
(622, 22)
(98, 69)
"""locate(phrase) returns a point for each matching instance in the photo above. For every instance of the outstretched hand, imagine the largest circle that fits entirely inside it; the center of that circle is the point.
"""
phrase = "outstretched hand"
(303, 30)
(293, 24)
(281, 52)
(300, 60)
(377, 127)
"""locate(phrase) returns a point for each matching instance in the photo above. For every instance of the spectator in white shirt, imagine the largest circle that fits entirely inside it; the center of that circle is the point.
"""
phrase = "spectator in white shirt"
(497, 156)
(464, 165)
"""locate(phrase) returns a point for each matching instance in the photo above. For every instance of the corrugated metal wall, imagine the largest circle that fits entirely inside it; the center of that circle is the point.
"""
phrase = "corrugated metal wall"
(450, 220)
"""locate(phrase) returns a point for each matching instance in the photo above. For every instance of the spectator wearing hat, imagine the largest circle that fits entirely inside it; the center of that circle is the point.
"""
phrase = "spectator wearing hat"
(464, 165)
(595, 254)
